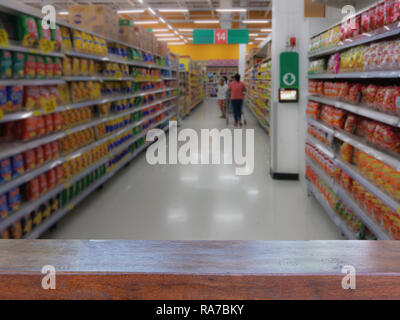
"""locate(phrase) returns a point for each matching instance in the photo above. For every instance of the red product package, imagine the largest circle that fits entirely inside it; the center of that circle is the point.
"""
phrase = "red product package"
(49, 126)
(54, 149)
(59, 174)
(40, 126)
(57, 121)
(386, 137)
(28, 128)
(380, 96)
(29, 160)
(389, 100)
(47, 152)
(51, 179)
(365, 21)
(57, 68)
(351, 123)
(338, 118)
(380, 15)
(33, 189)
(39, 155)
(369, 95)
(344, 88)
(42, 184)
(30, 66)
(40, 69)
(354, 93)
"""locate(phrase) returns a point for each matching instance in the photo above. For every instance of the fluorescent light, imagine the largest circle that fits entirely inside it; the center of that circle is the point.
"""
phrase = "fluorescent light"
(63, 13)
(131, 11)
(159, 30)
(185, 30)
(206, 21)
(173, 10)
(250, 43)
(260, 39)
(266, 30)
(140, 1)
(256, 21)
(164, 34)
(151, 11)
(253, 34)
(162, 20)
(146, 22)
(168, 39)
(170, 27)
(191, 39)
(175, 43)
(232, 10)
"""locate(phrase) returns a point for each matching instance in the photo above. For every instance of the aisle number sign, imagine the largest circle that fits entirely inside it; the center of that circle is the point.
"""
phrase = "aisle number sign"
(220, 36)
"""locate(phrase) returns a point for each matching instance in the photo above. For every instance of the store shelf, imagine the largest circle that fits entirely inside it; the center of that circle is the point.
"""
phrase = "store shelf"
(258, 119)
(28, 207)
(31, 82)
(9, 149)
(321, 147)
(371, 224)
(361, 110)
(331, 214)
(13, 46)
(358, 75)
(55, 217)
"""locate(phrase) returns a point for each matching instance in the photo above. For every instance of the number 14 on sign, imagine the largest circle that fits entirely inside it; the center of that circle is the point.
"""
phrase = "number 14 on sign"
(220, 37)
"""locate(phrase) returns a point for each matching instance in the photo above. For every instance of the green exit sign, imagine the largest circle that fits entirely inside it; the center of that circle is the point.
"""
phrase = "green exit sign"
(220, 36)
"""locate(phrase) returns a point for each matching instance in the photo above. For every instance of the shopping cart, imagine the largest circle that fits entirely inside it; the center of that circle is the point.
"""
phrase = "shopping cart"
(229, 113)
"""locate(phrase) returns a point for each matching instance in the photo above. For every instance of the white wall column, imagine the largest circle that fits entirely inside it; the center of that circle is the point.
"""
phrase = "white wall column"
(242, 59)
(287, 21)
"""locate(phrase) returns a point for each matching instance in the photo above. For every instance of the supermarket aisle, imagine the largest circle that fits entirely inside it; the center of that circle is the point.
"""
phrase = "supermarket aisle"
(199, 202)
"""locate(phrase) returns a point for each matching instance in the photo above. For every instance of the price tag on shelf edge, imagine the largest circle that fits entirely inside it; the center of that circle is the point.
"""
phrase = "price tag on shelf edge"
(46, 45)
(4, 38)
(220, 36)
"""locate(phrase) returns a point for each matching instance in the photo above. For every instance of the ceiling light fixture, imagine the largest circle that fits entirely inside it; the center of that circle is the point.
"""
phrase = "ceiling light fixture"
(146, 22)
(140, 1)
(164, 34)
(232, 10)
(173, 10)
(170, 27)
(260, 39)
(185, 30)
(168, 39)
(175, 43)
(206, 21)
(63, 13)
(151, 11)
(253, 34)
(255, 21)
(162, 20)
(251, 43)
(266, 30)
(130, 11)
(160, 30)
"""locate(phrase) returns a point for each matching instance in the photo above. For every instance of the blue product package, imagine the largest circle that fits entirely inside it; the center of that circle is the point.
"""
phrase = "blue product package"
(3, 207)
(5, 170)
(17, 162)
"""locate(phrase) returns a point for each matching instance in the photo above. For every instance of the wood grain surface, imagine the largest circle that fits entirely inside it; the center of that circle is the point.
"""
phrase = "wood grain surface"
(114, 269)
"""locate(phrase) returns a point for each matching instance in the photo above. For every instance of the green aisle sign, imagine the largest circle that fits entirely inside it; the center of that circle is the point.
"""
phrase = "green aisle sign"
(220, 36)
(289, 70)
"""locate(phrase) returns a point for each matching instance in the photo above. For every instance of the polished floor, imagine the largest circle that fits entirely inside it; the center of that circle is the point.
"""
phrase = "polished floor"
(199, 202)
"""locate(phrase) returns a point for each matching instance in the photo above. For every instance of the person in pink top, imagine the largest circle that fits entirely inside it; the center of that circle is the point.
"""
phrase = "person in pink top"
(237, 90)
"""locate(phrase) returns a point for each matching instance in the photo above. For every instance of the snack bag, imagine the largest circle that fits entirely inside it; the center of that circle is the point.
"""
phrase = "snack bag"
(30, 66)
(51, 179)
(28, 128)
(40, 68)
(44, 96)
(351, 123)
(18, 65)
(5, 64)
(29, 160)
(13, 200)
(39, 156)
(42, 183)
(33, 189)
(354, 93)
(57, 121)
(66, 39)
(346, 152)
(40, 126)
(75, 66)
(59, 174)
(57, 67)
(56, 37)
(54, 149)
(32, 98)
(15, 96)
(48, 67)
(17, 165)
(5, 170)
(77, 40)
(48, 124)
(27, 31)
(3, 207)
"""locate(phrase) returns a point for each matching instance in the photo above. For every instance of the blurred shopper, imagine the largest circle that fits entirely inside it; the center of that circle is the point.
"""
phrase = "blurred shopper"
(237, 90)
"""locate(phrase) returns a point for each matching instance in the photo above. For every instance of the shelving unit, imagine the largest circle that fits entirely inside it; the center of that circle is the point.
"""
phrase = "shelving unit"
(258, 85)
(349, 136)
(196, 85)
(142, 99)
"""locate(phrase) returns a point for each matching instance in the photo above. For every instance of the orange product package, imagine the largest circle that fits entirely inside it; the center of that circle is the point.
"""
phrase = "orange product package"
(391, 100)
(27, 128)
(47, 152)
(54, 149)
(32, 97)
(369, 95)
(59, 174)
(33, 189)
(351, 123)
(42, 183)
(57, 121)
(39, 156)
(40, 67)
(354, 93)
(57, 68)
(346, 152)
(29, 160)
(48, 124)
(51, 179)
(313, 109)
(40, 126)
